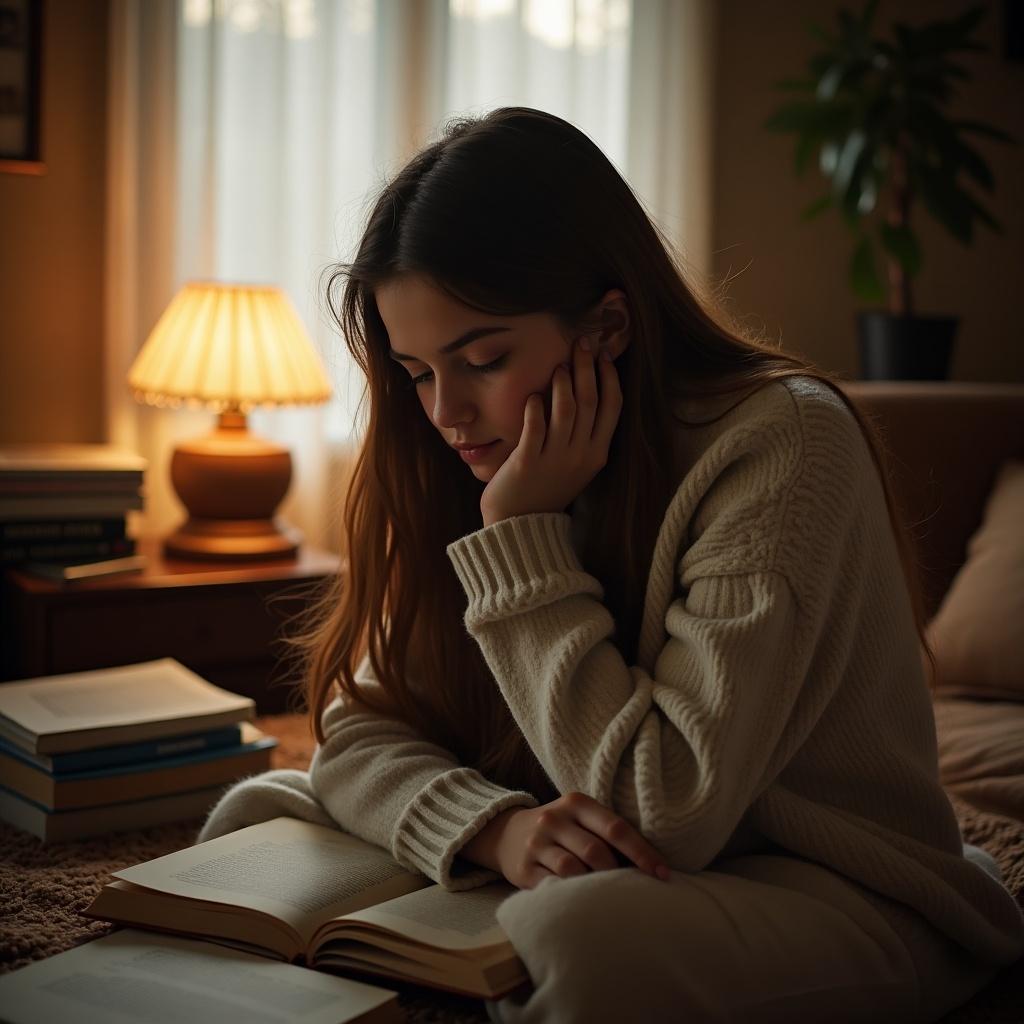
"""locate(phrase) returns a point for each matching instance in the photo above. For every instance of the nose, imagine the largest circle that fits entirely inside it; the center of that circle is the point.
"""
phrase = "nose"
(451, 408)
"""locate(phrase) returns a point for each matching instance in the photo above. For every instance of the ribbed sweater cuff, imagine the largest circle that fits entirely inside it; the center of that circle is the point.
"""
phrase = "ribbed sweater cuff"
(443, 817)
(518, 564)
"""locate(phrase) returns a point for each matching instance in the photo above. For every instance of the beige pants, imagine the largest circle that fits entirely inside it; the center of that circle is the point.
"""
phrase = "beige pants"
(761, 938)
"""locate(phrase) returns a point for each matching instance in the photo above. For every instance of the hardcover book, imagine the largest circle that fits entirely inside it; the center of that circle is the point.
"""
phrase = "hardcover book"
(139, 781)
(67, 551)
(29, 531)
(304, 893)
(102, 707)
(86, 822)
(78, 460)
(129, 753)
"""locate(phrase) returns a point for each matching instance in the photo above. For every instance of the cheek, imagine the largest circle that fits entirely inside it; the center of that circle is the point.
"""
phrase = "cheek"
(510, 401)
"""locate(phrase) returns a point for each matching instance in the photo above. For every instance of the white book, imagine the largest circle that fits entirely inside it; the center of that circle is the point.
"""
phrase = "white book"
(133, 977)
(104, 707)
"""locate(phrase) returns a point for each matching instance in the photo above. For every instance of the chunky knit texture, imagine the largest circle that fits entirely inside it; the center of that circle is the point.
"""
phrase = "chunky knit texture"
(777, 700)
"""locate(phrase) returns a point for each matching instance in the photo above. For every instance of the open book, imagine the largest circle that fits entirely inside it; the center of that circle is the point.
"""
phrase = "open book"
(314, 895)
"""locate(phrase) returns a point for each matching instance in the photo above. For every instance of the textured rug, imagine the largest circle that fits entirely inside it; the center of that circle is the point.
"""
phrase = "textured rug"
(43, 888)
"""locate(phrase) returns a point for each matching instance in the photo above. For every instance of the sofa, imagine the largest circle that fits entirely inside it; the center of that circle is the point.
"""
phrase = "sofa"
(951, 449)
(956, 461)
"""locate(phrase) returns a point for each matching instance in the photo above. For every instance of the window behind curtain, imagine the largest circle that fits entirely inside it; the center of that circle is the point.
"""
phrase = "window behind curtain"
(290, 112)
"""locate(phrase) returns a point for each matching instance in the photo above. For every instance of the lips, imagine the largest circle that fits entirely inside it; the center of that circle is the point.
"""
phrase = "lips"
(476, 453)
(465, 446)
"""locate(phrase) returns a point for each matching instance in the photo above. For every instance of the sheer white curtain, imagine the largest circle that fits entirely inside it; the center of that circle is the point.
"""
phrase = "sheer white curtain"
(247, 135)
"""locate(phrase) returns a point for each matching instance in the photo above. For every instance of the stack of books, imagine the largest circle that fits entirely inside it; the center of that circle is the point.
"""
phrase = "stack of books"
(89, 753)
(67, 504)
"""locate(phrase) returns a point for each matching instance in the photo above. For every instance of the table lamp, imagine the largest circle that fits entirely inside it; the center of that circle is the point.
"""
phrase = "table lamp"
(229, 348)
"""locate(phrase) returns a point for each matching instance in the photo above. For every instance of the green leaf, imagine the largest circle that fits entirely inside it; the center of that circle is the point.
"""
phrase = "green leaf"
(828, 159)
(970, 20)
(863, 275)
(944, 200)
(816, 208)
(868, 195)
(819, 33)
(804, 148)
(849, 156)
(973, 164)
(902, 245)
(796, 117)
(979, 128)
(795, 84)
(830, 81)
(983, 215)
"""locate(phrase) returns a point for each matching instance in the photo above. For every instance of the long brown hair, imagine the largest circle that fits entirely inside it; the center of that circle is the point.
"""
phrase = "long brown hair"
(514, 212)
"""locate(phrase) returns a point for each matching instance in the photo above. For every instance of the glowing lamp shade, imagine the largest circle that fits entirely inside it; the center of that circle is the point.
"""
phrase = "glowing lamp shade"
(230, 348)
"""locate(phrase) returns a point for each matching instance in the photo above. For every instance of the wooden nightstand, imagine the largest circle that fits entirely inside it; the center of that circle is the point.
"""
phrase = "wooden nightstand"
(223, 620)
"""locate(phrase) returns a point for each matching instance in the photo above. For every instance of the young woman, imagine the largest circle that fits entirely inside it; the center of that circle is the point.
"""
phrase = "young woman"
(629, 620)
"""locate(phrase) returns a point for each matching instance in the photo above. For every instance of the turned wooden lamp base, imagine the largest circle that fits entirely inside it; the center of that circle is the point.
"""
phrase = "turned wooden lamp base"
(231, 482)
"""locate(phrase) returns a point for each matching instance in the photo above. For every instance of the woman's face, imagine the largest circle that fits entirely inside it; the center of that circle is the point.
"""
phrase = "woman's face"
(472, 372)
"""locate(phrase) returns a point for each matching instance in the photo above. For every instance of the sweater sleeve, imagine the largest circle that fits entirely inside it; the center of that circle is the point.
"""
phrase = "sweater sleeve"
(379, 780)
(684, 743)
(680, 752)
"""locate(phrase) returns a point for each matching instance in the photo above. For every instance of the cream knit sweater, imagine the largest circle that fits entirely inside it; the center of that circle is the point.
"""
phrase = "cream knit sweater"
(777, 697)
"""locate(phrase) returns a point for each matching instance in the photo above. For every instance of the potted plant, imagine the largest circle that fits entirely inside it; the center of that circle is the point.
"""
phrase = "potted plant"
(875, 113)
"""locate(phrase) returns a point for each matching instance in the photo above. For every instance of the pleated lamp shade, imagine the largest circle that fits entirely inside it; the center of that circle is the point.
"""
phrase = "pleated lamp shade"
(230, 348)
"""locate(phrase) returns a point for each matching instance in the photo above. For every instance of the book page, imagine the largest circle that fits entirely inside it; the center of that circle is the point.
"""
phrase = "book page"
(300, 873)
(135, 977)
(151, 691)
(449, 920)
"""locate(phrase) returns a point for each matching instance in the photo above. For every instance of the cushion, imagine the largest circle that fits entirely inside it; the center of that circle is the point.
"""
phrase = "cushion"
(981, 756)
(978, 632)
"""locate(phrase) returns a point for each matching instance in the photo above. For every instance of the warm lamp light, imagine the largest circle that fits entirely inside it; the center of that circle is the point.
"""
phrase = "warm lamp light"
(229, 348)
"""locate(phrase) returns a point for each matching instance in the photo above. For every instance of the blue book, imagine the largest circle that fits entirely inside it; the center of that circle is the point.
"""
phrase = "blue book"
(142, 780)
(127, 753)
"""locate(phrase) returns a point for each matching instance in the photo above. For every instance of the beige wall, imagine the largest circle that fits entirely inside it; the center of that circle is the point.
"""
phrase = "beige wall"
(792, 276)
(51, 244)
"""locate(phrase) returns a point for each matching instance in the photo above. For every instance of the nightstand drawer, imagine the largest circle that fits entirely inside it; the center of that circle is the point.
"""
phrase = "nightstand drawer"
(192, 627)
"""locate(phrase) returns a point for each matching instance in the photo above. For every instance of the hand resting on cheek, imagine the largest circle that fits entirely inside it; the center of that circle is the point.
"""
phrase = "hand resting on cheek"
(558, 455)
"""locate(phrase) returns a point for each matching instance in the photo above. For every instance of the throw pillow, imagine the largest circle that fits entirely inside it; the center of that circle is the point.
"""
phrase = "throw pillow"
(978, 632)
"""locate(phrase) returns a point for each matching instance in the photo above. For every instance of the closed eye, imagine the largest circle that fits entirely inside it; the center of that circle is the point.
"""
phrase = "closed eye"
(490, 367)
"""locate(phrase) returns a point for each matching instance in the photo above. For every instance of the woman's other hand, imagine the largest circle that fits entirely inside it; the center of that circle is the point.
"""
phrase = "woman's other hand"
(553, 462)
(570, 836)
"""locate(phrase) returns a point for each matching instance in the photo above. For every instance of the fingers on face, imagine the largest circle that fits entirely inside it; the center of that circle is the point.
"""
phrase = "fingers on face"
(611, 402)
(563, 406)
(586, 391)
(533, 424)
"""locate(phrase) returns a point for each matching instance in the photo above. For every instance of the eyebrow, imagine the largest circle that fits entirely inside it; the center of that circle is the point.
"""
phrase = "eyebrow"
(454, 346)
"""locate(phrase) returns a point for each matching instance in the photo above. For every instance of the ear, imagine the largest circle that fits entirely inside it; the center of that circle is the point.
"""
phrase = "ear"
(613, 314)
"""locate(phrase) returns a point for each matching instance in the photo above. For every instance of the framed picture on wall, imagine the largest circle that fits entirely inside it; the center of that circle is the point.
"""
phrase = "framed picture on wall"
(21, 30)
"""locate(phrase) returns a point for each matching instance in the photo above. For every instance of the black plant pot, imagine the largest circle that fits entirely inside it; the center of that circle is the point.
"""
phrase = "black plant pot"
(905, 347)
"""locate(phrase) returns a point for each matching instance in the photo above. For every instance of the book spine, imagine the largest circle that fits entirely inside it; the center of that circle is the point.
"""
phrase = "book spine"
(67, 488)
(77, 507)
(67, 551)
(37, 530)
(93, 478)
(173, 746)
